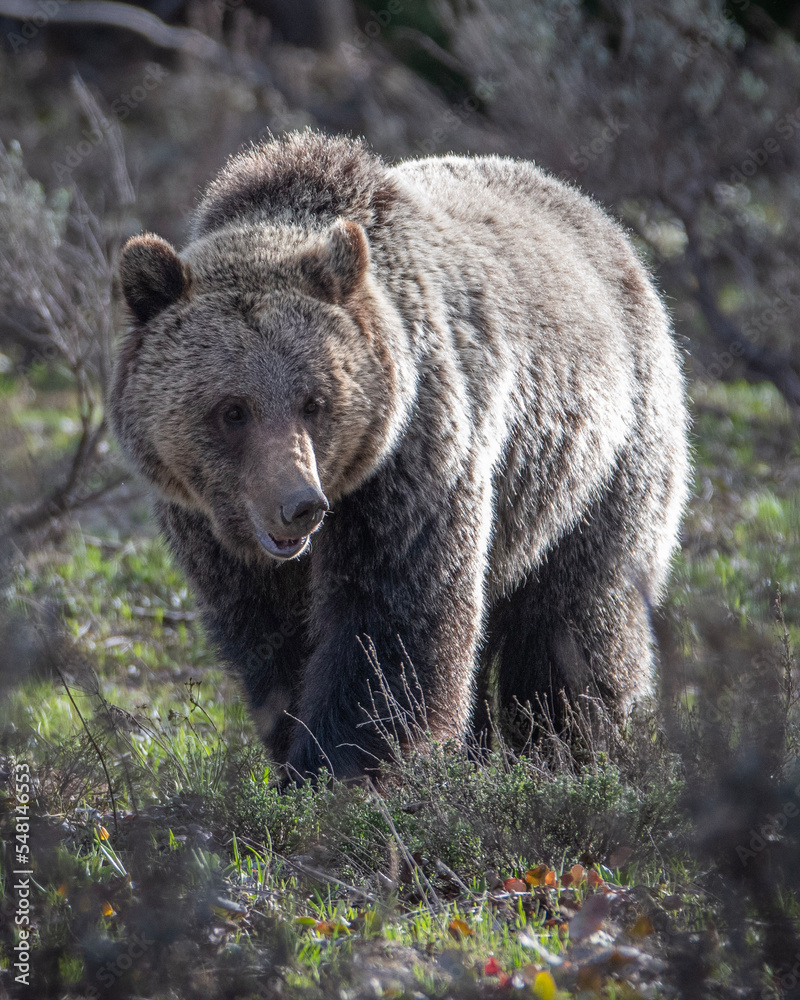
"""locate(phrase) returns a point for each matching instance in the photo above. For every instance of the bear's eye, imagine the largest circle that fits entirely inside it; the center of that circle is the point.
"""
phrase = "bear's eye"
(235, 414)
(311, 406)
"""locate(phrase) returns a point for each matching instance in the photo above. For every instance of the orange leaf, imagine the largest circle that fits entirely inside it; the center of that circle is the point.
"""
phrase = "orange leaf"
(459, 929)
(108, 909)
(515, 885)
(536, 875)
(550, 878)
(323, 927)
(578, 873)
(62, 890)
(327, 928)
(594, 879)
(102, 833)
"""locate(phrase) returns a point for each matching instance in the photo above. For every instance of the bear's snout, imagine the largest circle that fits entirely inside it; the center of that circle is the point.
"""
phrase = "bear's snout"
(303, 510)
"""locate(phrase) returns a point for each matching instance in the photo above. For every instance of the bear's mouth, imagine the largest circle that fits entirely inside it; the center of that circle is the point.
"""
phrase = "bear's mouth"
(282, 548)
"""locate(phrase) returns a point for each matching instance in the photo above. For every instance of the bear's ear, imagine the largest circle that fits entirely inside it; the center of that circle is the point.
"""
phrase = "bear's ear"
(152, 276)
(338, 265)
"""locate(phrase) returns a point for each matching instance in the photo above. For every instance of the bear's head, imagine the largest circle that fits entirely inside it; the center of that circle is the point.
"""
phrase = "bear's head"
(257, 383)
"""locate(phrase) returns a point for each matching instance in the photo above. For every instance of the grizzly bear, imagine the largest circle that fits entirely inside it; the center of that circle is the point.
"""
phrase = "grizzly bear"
(418, 438)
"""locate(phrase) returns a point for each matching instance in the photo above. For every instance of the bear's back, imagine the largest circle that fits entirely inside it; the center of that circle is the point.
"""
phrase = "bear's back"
(475, 188)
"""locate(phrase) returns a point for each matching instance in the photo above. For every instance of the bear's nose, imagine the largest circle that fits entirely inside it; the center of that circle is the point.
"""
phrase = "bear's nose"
(304, 509)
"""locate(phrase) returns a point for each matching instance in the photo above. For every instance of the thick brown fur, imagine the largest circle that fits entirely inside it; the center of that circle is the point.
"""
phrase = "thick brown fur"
(466, 362)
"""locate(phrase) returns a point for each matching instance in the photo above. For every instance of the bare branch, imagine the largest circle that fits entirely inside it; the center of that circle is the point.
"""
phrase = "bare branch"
(64, 499)
(97, 749)
(109, 126)
(142, 22)
(427, 44)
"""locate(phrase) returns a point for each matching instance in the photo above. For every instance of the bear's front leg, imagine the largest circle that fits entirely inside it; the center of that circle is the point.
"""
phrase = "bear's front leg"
(254, 613)
(396, 608)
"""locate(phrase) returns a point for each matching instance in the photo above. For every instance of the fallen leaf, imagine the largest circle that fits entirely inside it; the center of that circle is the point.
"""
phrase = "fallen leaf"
(492, 967)
(578, 873)
(459, 929)
(673, 902)
(594, 879)
(328, 928)
(515, 885)
(108, 909)
(536, 875)
(544, 986)
(102, 833)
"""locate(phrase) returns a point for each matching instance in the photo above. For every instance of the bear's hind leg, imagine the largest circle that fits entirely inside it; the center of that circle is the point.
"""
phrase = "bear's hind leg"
(547, 653)
(578, 625)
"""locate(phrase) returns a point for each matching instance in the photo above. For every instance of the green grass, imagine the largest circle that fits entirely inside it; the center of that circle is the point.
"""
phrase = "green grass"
(742, 532)
(158, 817)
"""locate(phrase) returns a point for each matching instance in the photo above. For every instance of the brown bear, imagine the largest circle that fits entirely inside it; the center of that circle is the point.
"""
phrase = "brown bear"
(418, 437)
